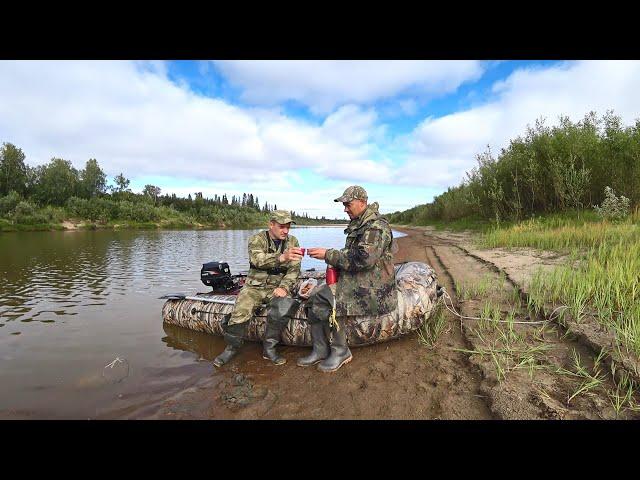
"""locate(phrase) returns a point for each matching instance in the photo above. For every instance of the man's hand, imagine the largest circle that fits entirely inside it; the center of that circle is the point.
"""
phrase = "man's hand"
(280, 292)
(293, 253)
(318, 253)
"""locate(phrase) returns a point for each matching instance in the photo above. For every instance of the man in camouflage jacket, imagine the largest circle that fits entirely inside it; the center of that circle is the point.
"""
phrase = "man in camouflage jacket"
(274, 261)
(366, 284)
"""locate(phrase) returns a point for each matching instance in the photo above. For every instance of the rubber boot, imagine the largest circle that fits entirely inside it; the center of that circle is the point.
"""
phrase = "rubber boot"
(280, 312)
(320, 342)
(340, 353)
(233, 336)
(271, 339)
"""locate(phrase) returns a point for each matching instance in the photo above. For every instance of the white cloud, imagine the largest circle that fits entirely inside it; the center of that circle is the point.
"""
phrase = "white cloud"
(442, 149)
(350, 125)
(131, 118)
(324, 85)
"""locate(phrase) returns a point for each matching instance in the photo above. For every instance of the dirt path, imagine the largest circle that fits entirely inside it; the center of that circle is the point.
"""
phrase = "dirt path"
(517, 371)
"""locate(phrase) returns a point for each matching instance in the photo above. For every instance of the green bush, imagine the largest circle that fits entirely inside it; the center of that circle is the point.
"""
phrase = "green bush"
(613, 207)
(52, 214)
(78, 207)
(101, 209)
(139, 212)
(8, 203)
(94, 209)
(26, 214)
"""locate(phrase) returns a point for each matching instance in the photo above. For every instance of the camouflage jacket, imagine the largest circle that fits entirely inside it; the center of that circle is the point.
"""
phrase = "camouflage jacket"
(367, 278)
(264, 268)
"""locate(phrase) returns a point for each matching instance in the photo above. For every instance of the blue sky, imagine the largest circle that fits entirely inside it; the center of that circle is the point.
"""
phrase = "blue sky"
(296, 133)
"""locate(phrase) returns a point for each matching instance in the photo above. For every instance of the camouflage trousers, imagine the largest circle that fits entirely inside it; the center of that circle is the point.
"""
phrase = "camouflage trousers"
(320, 304)
(250, 298)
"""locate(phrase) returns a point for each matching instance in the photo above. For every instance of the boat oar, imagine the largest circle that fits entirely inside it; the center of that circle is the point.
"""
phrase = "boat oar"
(180, 296)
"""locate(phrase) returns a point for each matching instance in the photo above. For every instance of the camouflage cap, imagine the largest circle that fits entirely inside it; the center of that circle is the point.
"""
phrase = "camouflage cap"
(352, 193)
(281, 216)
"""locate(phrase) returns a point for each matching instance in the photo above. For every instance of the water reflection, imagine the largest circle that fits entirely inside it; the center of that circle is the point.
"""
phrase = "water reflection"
(204, 345)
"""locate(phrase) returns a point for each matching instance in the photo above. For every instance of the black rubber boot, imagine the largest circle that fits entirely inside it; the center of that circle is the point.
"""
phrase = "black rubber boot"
(280, 312)
(340, 353)
(233, 336)
(320, 342)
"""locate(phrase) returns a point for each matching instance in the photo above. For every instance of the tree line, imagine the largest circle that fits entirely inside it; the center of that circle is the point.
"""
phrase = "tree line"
(55, 191)
(547, 170)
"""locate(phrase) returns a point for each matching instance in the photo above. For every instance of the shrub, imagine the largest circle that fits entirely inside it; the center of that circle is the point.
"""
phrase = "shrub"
(52, 214)
(25, 213)
(613, 207)
(139, 212)
(78, 207)
(8, 203)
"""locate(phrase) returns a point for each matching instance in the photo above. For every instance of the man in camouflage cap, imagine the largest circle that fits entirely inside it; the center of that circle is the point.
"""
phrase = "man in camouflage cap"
(366, 284)
(274, 261)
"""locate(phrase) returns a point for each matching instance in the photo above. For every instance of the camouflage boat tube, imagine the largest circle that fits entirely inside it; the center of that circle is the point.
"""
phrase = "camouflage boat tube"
(415, 287)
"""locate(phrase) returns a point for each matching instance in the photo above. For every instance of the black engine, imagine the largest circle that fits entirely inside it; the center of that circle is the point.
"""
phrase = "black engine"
(217, 276)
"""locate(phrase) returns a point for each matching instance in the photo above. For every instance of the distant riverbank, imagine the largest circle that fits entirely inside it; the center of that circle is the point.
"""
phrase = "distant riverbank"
(71, 224)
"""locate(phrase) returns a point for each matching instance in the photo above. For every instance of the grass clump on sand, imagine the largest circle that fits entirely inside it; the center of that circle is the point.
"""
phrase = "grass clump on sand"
(433, 327)
(601, 278)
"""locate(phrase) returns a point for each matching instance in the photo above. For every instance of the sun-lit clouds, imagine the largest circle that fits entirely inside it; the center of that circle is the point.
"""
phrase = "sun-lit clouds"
(132, 118)
(324, 85)
(350, 125)
(441, 149)
(136, 118)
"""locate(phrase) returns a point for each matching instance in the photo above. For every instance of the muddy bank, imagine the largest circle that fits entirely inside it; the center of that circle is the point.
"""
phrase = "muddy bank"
(474, 370)
(532, 367)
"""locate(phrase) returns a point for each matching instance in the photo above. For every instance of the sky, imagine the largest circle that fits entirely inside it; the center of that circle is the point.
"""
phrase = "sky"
(297, 133)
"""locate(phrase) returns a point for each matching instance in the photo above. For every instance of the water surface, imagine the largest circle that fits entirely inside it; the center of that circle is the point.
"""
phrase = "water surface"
(73, 302)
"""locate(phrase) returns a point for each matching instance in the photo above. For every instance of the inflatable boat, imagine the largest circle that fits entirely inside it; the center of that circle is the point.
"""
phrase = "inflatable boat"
(416, 288)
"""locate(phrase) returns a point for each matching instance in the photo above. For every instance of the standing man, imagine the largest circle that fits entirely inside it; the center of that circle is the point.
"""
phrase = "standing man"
(274, 267)
(366, 284)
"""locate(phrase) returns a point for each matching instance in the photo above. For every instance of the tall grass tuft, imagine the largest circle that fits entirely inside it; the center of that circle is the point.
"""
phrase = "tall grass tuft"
(601, 278)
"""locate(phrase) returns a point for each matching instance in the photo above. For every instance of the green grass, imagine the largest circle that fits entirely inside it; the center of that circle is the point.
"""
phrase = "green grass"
(589, 379)
(433, 327)
(506, 347)
(33, 227)
(489, 283)
(622, 396)
(601, 277)
(563, 232)
(474, 224)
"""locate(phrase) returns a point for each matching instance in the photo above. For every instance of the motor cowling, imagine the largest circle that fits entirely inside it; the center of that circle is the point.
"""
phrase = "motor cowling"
(217, 275)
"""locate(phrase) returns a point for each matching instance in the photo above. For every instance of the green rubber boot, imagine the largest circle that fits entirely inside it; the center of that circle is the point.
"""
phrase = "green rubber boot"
(233, 336)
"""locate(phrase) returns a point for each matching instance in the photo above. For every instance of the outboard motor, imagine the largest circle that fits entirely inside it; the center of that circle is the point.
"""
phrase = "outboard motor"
(217, 276)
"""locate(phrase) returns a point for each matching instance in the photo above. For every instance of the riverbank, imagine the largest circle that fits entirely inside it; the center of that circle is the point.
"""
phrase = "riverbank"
(469, 370)
(72, 225)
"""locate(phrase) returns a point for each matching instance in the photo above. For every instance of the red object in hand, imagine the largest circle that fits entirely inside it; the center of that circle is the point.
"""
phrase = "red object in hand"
(303, 250)
(332, 275)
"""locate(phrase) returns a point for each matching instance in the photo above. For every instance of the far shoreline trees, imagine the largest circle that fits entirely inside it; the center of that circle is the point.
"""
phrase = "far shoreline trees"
(50, 193)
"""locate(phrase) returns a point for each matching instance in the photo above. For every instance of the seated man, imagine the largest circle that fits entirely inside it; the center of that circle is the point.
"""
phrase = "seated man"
(274, 261)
